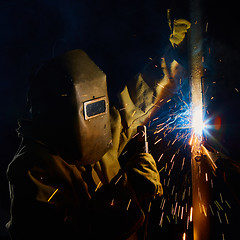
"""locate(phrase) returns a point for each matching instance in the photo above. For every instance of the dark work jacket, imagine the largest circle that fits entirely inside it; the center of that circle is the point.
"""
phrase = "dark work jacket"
(51, 199)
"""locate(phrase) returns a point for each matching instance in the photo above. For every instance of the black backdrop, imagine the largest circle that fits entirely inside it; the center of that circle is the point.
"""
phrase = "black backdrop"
(32, 31)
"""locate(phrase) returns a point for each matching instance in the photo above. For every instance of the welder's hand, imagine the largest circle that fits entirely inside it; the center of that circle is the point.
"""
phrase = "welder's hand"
(143, 176)
(180, 28)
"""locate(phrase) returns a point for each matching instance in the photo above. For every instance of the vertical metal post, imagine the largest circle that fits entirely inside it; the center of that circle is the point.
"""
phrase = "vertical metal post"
(200, 188)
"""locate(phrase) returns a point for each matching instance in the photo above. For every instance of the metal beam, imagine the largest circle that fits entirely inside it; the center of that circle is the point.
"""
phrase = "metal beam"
(200, 188)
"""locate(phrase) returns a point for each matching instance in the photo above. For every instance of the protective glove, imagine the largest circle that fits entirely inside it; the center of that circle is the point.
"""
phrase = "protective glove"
(180, 28)
(143, 176)
(115, 211)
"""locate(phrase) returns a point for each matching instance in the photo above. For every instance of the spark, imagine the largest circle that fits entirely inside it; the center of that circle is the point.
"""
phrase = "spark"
(183, 195)
(112, 202)
(160, 85)
(191, 214)
(174, 141)
(179, 208)
(135, 135)
(173, 157)
(129, 204)
(183, 163)
(218, 205)
(206, 176)
(191, 140)
(206, 29)
(226, 218)
(175, 196)
(182, 212)
(118, 179)
(134, 113)
(161, 220)
(228, 204)
(160, 157)
(52, 195)
(161, 169)
(184, 236)
(221, 197)
(149, 207)
(172, 164)
(163, 203)
(98, 186)
(211, 209)
(204, 210)
(124, 153)
(168, 182)
(219, 217)
(175, 209)
(158, 141)
(124, 108)
(158, 131)
(211, 183)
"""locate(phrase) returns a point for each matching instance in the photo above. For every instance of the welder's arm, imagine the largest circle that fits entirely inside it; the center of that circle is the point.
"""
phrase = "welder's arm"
(119, 206)
(122, 204)
(143, 176)
(156, 83)
(116, 210)
(143, 96)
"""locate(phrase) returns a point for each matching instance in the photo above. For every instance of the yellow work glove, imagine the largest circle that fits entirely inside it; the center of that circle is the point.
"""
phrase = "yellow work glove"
(143, 176)
(180, 28)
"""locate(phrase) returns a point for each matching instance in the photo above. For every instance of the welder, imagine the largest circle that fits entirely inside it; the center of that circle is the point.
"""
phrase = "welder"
(65, 180)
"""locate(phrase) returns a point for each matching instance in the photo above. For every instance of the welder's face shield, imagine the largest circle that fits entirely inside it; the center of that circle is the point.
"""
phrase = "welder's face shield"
(70, 107)
(93, 123)
(87, 133)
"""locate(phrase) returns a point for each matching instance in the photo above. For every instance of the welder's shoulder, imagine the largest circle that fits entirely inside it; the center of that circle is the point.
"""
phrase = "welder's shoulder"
(30, 155)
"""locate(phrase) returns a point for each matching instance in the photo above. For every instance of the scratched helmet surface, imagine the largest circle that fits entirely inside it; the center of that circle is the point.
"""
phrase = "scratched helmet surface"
(68, 95)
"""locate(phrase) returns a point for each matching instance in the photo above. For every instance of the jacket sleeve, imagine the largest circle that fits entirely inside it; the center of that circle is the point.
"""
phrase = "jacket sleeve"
(116, 210)
(48, 201)
(140, 99)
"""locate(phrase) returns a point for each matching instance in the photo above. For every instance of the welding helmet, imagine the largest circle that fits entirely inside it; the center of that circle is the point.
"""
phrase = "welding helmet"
(70, 107)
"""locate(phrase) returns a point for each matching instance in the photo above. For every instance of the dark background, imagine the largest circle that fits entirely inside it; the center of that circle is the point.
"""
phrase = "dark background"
(33, 31)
